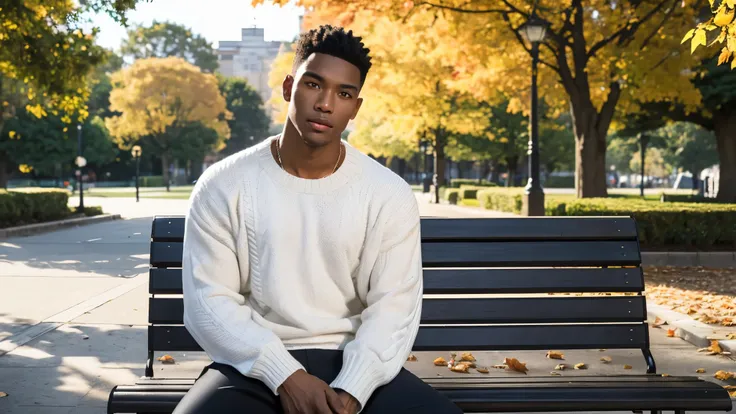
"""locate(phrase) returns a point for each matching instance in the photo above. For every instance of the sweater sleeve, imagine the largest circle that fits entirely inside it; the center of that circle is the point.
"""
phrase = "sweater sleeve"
(215, 312)
(390, 321)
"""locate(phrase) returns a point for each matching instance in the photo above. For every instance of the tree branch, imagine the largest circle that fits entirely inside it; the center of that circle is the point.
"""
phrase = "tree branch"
(624, 33)
(659, 26)
(606, 114)
(461, 10)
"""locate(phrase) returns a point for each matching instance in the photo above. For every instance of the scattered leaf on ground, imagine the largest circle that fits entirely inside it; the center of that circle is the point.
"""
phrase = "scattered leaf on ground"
(627, 366)
(561, 367)
(459, 368)
(724, 375)
(440, 362)
(665, 375)
(515, 365)
(555, 374)
(581, 366)
(715, 347)
(555, 355)
(602, 350)
(167, 359)
(731, 336)
(658, 322)
(3, 394)
(606, 360)
(500, 366)
(482, 370)
(467, 356)
(671, 333)
(700, 370)
(412, 358)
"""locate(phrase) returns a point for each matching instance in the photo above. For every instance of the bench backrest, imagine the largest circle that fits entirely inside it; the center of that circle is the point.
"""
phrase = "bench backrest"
(504, 269)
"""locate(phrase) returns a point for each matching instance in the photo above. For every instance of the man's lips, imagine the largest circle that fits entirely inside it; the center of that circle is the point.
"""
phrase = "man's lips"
(319, 125)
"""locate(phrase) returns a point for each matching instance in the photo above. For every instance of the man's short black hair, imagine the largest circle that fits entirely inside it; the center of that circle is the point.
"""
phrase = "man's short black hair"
(334, 41)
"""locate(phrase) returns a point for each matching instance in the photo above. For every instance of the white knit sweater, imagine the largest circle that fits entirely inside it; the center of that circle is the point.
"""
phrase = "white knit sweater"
(273, 262)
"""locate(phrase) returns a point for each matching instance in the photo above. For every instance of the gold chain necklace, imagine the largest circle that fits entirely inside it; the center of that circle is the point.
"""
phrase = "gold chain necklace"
(281, 164)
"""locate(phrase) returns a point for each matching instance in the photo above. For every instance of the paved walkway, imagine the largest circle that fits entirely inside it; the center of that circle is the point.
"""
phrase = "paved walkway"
(73, 311)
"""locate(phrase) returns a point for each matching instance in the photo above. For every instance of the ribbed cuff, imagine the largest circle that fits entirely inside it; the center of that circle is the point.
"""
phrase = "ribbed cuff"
(274, 366)
(360, 375)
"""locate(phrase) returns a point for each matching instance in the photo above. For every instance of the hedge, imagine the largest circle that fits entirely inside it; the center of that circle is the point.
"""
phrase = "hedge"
(452, 195)
(33, 206)
(699, 225)
(459, 182)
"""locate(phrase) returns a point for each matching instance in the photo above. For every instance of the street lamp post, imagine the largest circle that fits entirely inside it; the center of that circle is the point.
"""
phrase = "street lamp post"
(80, 161)
(136, 152)
(533, 31)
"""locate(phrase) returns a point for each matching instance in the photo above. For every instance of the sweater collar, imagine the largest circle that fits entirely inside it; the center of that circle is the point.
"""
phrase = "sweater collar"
(347, 171)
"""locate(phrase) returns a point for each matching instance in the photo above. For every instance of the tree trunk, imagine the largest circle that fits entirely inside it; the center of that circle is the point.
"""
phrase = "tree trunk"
(512, 164)
(439, 168)
(402, 167)
(4, 176)
(485, 168)
(590, 156)
(165, 169)
(725, 130)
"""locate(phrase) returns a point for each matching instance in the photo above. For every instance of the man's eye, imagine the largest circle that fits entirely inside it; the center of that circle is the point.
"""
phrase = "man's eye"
(346, 95)
(312, 85)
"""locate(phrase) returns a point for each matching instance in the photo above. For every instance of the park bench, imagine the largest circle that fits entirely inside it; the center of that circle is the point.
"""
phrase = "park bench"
(506, 270)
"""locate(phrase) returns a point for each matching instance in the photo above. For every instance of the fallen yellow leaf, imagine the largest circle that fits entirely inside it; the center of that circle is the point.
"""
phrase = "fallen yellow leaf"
(724, 375)
(658, 322)
(467, 356)
(561, 367)
(627, 366)
(515, 365)
(555, 355)
(731, 336)
(581, 366)
(411, 358)
(459, 368)
(665, 375)
(606, 360)
(715, 347)
(167, 359)
(700, 370)
(3, 394)
(671, 333)
(440, 362)
(482, 370)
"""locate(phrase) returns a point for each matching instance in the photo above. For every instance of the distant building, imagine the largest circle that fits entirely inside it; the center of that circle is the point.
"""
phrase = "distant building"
(249, 58)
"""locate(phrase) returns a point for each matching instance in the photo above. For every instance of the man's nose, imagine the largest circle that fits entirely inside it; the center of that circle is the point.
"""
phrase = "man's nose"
(325, 102)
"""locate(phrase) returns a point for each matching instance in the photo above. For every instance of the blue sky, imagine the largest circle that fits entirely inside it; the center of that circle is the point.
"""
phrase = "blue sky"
(216, 20)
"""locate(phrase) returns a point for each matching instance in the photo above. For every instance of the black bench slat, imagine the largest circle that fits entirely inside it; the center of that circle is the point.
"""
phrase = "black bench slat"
(164, 281)
(169, 254)
(474, 338)
(521, 254)
(503, 394)
(506, 229)
(529, 229)
(476, 281)
(484, 310)
(167, 228)
(166, 254)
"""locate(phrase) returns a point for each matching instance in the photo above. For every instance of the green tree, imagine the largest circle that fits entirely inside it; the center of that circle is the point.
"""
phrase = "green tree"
(45, 57)
(165, 39)
(249, 123)
(101, 86)
(194, 141)
(689, 146)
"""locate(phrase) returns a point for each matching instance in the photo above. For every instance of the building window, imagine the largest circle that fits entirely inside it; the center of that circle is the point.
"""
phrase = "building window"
(226, 57)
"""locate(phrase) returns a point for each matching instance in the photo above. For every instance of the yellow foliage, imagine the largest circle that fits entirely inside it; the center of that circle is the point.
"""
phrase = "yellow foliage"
(155, 94)
(723, 18)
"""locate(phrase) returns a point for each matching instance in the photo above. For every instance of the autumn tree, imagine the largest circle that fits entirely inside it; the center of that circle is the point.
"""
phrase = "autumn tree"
(165, 39)
(595, 60)
(45, 56)
(156, 98)
(722, 29)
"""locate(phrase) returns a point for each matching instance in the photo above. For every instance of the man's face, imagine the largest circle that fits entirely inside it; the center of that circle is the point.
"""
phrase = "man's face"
(323, 96)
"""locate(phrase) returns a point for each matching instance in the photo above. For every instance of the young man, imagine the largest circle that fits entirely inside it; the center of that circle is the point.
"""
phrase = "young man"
(302, 270)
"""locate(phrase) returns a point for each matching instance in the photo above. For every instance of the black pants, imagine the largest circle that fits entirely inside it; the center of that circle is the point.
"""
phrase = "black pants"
(221, 389)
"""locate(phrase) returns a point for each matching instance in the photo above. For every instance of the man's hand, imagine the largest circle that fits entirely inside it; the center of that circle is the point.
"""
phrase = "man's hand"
(303, 393)
(348, 401)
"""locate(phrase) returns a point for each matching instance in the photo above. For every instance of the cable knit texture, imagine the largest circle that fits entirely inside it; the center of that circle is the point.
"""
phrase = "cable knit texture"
(273, 262)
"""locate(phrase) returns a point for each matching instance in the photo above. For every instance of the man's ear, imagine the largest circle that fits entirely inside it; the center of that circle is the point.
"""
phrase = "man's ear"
(357, 108)
(286, 87)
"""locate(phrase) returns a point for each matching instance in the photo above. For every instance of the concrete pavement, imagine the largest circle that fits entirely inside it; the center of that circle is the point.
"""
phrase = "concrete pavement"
(73, 316)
